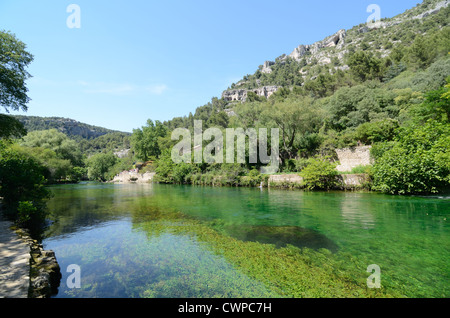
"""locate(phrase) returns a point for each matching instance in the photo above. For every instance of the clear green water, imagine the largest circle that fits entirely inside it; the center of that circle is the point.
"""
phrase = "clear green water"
(183, 241)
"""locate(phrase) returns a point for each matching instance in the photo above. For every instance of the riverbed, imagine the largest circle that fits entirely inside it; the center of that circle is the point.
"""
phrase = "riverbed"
(168, 241)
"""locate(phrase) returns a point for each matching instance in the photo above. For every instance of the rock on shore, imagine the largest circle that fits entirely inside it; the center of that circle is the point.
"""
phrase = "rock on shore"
(45, 272)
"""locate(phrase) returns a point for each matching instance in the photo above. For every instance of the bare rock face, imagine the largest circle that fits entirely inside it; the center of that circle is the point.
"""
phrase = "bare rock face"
(122, 153)
(235, 95)
(266, 91)
(240, 95)
(335, 40)
(133, 177)
(267, 67)
(439, 6)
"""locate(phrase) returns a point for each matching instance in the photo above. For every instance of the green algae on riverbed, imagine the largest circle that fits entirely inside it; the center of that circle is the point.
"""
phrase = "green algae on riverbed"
(287, 271)
(181, 241)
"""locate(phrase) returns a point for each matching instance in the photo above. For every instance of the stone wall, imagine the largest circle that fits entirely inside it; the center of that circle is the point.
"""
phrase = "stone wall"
(350, 158)
(354, 180)
(347, 181)
(285, 178)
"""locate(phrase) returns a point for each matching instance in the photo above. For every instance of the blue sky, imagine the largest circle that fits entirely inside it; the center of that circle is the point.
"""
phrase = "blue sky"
(139, 59)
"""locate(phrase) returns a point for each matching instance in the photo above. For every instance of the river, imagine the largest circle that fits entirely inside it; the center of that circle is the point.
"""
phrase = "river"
(167, 241)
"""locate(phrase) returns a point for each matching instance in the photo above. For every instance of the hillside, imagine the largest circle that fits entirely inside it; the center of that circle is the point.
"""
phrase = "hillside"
(90, 139)
(408, 50)
(69, 127)
(329, 56)
(383, 85)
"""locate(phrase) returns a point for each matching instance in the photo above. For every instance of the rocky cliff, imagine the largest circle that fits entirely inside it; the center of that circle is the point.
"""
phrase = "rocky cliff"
(335, 40)
(240, 95)
(332, 50)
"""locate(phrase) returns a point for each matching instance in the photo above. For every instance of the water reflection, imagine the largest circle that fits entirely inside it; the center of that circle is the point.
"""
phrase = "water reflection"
(357, 211)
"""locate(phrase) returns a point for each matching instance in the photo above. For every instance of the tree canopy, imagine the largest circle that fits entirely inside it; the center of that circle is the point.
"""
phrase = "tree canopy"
(14, 59)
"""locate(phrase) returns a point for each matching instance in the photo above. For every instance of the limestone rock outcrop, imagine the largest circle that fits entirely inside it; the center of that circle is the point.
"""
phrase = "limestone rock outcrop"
(335, 40)
(266, 68)
(240, 95)
(133, 177)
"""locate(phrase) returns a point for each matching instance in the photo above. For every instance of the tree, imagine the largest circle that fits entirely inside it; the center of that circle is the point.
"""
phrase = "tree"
(14, 60)
(436, 106)
(417, 162)
(99, 165)
(57, 169)
(364, 66)
(353, 106)
(294, 117)
(64, 147)
(421, 53)
(22, 186)
(11, 127)
(323, 85)
(377, 131)
(145, 141)
(218, 120)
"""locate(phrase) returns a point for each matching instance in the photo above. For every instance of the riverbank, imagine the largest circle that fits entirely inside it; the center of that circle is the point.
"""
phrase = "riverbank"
(350, 182)
(26, 269)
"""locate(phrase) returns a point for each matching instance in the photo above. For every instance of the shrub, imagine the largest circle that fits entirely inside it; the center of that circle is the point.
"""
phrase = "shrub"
(417, 162)
(182, 172)
(22, 187)
(319, 174)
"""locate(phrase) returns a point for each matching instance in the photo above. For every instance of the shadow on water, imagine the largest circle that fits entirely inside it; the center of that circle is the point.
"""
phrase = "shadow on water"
(281, 236)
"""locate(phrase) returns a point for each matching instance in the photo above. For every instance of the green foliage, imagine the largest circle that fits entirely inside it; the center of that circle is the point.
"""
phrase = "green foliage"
(393, 71)
(351, 107)
(182, 172)
(420, 54)
(64, 147)
(436, 106)
(294, 118)
(146, 141)
(319, 174)
(377, 131)
(432, 78)
(110, 142)
(324, 85)
(22, 187)
(364, 66)
(71, 128)
(164, 168)
(362, 170)
(11, 127)
(417, 162)
(14, 59)
(57, 152)
(99, 166)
